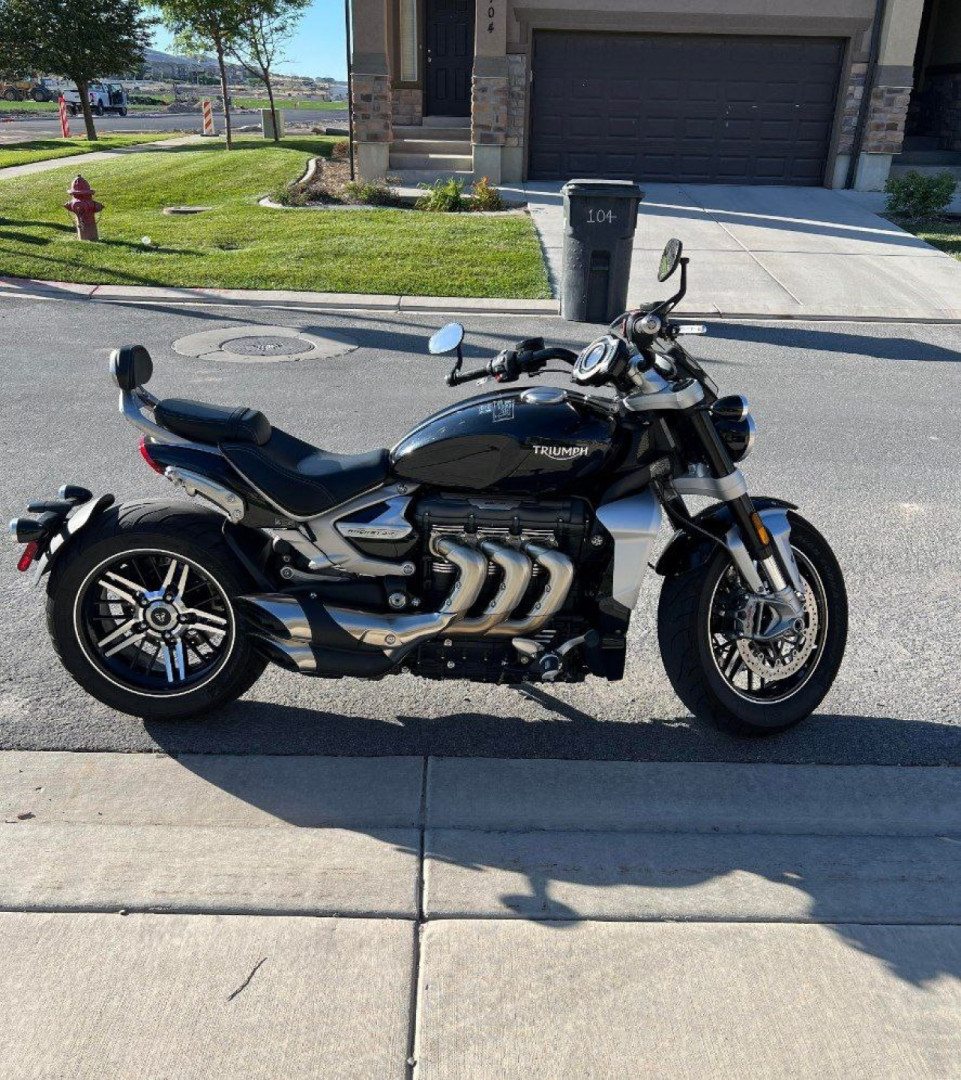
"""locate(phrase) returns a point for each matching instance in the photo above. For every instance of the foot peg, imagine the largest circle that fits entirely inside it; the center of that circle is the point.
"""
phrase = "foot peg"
(550, 665)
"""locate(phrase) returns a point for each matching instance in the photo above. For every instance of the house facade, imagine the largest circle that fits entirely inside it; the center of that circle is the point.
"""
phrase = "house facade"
(712, 91)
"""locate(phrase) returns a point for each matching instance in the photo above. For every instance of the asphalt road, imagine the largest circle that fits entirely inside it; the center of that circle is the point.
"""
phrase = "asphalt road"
(44, 125)
(858, 424)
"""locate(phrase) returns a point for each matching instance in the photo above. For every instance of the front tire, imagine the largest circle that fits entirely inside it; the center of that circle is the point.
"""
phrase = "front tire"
(741, 686)
(141, 611)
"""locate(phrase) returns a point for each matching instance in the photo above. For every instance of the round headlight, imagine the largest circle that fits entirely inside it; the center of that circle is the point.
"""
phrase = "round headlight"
(737, 435)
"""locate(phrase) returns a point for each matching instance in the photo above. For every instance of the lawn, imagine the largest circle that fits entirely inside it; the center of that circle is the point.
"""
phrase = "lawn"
(944, 233)
(238, 244)
(296, 103)
(23, 153)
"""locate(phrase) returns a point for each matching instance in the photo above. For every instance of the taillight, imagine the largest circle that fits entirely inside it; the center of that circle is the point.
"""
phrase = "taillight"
(30, 552)
(145, 454)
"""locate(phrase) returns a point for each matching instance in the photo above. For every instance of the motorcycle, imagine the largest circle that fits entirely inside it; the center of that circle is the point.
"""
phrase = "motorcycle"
(504, 539)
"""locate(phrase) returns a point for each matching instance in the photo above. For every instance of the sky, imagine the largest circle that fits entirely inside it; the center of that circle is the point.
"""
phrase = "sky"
(317, 49)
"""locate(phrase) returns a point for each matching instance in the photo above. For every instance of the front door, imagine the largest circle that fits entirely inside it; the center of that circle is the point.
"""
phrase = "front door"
(450, 57)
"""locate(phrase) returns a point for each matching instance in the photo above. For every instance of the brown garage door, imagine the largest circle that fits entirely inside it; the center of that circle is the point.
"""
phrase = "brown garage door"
(735, 110)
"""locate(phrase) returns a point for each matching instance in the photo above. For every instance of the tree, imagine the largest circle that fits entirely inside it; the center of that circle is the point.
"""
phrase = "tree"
(200, 25)
(75, 40)
(266, 28)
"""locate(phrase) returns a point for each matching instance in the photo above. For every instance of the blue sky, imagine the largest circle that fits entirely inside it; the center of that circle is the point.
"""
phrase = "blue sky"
(316, 50)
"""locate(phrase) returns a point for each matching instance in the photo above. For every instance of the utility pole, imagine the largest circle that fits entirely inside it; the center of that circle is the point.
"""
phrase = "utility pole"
(350, 93)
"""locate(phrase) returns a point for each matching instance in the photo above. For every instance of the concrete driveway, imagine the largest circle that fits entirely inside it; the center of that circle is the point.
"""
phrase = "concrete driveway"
(774, 251)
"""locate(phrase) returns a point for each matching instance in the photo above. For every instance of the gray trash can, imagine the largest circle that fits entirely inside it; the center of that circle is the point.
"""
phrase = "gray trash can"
(600, 217)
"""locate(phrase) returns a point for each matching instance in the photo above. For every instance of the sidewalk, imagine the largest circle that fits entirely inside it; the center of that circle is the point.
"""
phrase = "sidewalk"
(272, 916)
(11, 172)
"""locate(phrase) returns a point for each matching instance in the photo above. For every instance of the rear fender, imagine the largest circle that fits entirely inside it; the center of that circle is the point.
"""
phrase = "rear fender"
(688, 549)
(79, 520)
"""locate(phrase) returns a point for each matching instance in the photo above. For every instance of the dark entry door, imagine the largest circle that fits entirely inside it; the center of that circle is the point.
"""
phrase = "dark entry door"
(691, 107)
(450, 57)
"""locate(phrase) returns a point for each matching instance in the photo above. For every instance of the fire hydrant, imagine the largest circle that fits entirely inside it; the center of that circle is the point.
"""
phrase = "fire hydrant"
(84, 207)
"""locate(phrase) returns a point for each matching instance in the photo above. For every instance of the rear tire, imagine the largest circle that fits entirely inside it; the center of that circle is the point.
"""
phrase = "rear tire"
(205, 660)
(686, 612)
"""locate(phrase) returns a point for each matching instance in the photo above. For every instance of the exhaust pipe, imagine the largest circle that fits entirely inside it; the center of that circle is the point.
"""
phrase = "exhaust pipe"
(560, 577)
(517, 571)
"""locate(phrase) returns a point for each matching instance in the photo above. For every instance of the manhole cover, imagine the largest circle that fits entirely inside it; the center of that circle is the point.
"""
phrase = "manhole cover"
(267, 346)
(263, 344)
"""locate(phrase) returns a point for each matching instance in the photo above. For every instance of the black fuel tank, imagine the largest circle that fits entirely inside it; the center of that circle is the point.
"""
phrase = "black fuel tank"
(535, 441)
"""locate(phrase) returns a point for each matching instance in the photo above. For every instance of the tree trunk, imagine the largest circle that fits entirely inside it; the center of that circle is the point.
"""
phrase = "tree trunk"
(224, 90)
(273, 108)
(83, 89)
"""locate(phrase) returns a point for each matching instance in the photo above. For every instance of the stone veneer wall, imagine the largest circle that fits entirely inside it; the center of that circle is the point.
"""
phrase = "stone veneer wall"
(852, 106)
(516, 99)
(884, 131)
(489, 107)
(372, 108)
(407, 106)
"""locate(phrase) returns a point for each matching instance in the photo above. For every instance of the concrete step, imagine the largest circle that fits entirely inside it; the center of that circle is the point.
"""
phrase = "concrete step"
(444, 163)
(447, 121)
(407, 145)
(927, 170)
(416, 131)
(938, 158)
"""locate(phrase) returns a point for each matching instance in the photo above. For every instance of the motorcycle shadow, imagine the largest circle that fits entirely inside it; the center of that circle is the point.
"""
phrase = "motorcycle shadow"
(887, 897)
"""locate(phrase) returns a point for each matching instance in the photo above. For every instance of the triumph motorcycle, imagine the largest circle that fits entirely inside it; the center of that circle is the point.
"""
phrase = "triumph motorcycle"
(504, 539)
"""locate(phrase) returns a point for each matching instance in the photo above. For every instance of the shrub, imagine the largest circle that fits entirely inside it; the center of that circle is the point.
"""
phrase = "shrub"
(340, 150)
(371, 193)
(916, 196)
(486, 196)
(443, 196)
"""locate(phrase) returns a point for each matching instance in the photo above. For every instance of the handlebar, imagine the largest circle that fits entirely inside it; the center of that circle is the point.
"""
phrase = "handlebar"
(510, 364)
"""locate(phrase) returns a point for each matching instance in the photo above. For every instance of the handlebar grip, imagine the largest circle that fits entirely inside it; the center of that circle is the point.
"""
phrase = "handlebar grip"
(456, 378)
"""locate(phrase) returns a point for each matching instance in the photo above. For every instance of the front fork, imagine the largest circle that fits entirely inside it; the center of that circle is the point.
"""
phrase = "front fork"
(762, 554)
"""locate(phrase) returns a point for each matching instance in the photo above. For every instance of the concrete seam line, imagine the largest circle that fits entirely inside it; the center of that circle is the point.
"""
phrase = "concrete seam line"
(414, 1007)
(193, 909)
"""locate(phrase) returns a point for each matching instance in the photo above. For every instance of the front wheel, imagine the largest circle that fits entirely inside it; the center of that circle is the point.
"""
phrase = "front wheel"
(753, 687)
(141, 610)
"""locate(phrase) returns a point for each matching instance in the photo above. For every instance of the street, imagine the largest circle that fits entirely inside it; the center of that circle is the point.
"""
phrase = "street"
(857, 425)
(45, 125)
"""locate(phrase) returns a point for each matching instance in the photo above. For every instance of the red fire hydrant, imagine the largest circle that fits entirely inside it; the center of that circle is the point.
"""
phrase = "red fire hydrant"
(84, 207)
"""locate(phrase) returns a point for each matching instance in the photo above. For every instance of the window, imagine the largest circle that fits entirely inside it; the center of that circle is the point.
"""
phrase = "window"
(408, 40)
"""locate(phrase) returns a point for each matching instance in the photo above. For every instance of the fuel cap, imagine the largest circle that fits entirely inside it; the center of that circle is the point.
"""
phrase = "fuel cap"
(544, 395)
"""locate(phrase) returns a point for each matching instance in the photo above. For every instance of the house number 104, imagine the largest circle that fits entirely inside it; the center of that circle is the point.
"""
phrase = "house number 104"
(490, 15)
(598, 217)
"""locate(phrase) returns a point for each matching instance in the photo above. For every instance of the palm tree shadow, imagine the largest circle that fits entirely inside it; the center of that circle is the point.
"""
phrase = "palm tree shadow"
(866, 888)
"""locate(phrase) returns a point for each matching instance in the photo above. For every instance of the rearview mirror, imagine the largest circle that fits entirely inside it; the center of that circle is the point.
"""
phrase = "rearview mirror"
(446, 340)
(670, 259)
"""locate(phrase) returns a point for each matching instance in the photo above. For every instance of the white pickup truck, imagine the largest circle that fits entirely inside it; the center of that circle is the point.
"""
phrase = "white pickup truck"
(104, 98)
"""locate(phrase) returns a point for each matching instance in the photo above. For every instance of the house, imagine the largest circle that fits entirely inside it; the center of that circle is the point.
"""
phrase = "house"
(717, 91)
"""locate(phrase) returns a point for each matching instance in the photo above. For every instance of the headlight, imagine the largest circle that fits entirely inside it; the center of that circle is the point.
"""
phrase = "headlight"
(734, 423)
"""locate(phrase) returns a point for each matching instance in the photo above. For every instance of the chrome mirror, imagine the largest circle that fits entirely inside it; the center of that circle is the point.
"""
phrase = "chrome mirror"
(446, 340)
(670, 259)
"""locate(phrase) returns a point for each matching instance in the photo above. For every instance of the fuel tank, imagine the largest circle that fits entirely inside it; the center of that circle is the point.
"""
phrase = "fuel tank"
(537, 440)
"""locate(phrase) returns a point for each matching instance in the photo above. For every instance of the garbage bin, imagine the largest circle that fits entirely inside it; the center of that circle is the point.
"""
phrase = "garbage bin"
(600, 217)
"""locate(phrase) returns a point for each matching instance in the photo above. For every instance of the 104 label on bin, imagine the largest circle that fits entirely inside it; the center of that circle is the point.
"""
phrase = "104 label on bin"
(600, 217)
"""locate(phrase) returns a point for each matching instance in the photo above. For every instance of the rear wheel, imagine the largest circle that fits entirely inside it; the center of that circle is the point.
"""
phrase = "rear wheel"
(748, 686)
(141, 612)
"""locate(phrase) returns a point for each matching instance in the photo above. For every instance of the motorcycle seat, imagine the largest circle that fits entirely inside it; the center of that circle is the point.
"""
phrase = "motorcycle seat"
(205, 423)
(299, 478)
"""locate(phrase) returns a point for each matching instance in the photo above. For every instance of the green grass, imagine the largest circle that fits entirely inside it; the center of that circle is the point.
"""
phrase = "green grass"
(239, 244)
(944, 234)
(11, 108)
(297, 103)
(23, 153)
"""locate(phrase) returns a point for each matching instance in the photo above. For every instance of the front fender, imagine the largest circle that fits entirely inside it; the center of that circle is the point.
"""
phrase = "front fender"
(687, 550)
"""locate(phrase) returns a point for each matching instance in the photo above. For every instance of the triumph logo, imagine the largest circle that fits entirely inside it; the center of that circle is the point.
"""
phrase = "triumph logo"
(562, 453)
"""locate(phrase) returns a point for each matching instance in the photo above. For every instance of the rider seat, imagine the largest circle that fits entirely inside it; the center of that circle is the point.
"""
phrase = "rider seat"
(300, 479)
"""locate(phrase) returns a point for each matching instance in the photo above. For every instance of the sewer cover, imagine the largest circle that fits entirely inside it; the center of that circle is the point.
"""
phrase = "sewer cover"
(263, 344)
(267, 346)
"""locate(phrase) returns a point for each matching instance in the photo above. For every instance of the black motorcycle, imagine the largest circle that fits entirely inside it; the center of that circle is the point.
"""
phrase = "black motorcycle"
(504, 539)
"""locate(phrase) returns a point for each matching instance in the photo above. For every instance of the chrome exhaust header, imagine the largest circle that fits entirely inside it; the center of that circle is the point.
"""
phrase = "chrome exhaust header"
(517, 570)
(560, 577)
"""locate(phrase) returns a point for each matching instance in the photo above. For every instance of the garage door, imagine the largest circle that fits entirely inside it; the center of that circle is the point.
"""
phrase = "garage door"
(729, 110)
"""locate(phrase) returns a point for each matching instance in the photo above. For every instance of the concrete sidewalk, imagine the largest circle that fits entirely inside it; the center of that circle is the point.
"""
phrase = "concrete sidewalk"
(773, 251)
(558, 918)
(11, 172)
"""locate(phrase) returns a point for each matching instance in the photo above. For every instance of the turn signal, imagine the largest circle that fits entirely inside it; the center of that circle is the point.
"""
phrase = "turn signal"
(762, 534)
(30, 552)
(145, 454)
